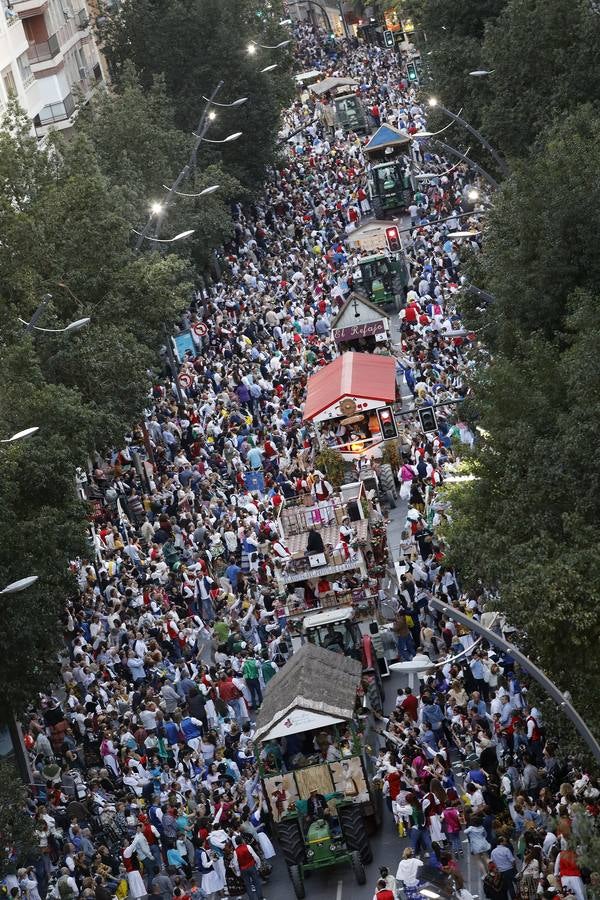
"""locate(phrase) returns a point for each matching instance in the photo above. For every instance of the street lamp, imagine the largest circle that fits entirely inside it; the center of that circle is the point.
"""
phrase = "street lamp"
(481, 73)
(21, 585)
(212, 115)
(19, 435)
(269, 68)
(253, 46)
(178, 237)
(77, 325)
(239, 102)
(154, 222)
(156, 209)
(207, 190)
(463, 234)
(434, 103)
(227, 140)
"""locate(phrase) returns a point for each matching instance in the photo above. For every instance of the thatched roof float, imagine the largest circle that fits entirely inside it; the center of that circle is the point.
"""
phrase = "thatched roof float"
(315, 688)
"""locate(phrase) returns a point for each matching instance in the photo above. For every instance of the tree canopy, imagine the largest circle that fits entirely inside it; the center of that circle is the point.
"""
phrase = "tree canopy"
(542, 55)
(192, 45)
(84, 390)
(528, 523)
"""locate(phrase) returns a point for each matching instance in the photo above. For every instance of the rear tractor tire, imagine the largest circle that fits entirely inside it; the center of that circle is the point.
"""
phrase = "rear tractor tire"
(355, 832)
(298, 882)
(358, 868)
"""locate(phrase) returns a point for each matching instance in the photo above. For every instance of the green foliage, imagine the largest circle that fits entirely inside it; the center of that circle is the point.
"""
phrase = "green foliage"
(541, 243)
(193, 45)
(543, 55)
(528, 524)
(332, 464)
(66, 230)
(19, 844)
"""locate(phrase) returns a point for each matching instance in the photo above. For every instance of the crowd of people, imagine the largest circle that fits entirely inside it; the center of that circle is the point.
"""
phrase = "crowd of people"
(145, 770)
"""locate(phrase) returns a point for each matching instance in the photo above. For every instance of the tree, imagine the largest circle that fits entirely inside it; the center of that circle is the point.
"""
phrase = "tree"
(544, 57)
(66, 230)
(540, 241)
(196, 43)
(18, 842)
(528, 523)
(450, 38)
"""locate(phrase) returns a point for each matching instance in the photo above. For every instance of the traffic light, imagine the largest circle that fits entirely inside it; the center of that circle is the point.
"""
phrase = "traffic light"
(428, 419)
(388, 38)
(392, 237)
(411, 71)
(387, 423)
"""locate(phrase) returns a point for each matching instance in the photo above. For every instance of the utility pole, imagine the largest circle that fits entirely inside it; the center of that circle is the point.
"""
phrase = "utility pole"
(157, 220)
(38, 313)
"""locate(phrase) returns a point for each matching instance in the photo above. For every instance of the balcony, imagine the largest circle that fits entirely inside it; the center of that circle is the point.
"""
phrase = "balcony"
(26, 8)
(44, 51)
(55, 114)
(82, 19)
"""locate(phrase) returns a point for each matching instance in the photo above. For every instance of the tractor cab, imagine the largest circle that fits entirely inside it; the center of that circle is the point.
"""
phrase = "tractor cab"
(382, 278)
(335, 630)
(350, 114)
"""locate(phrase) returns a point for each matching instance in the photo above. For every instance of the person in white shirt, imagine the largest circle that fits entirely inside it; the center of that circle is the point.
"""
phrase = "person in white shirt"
(408, 871)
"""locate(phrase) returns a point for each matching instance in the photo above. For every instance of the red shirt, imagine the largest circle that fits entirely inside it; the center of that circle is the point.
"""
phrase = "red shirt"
(410, 705)
(244, 858)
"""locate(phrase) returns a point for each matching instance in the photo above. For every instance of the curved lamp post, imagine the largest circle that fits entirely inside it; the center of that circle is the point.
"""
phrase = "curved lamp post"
(21, 585)
(77, 325)
(435, 104)
(19, 435)
(178, 237)
(563, 701)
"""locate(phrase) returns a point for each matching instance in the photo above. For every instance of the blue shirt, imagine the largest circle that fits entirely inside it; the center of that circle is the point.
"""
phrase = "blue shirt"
(503, 858)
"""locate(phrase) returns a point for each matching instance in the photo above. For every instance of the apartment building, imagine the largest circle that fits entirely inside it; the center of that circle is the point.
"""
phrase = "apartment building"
(48, 59)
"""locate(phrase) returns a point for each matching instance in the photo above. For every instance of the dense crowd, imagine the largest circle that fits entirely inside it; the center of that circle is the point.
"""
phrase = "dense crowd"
(145, 770)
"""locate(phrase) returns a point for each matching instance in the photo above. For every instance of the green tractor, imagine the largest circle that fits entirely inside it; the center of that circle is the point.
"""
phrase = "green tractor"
(390, 188)
(320, 849)
(390, 182)
(381, 278)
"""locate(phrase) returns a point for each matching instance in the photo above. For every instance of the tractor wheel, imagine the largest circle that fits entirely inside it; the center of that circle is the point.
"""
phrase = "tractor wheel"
(377, 207)
(387, 480)
(358, 868)
(354, 831)
(298, 881)
(291, 842)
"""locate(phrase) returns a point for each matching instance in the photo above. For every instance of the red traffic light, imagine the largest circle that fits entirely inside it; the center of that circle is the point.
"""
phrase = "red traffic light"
(392, 236)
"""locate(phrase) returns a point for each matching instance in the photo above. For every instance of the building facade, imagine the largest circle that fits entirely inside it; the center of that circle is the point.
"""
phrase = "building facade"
(48, 59)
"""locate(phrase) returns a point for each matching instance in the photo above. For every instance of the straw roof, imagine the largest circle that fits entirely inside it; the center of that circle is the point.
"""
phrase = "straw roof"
(313, 679)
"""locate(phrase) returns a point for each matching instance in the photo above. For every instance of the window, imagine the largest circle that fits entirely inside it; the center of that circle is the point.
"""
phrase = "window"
(9, 83)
